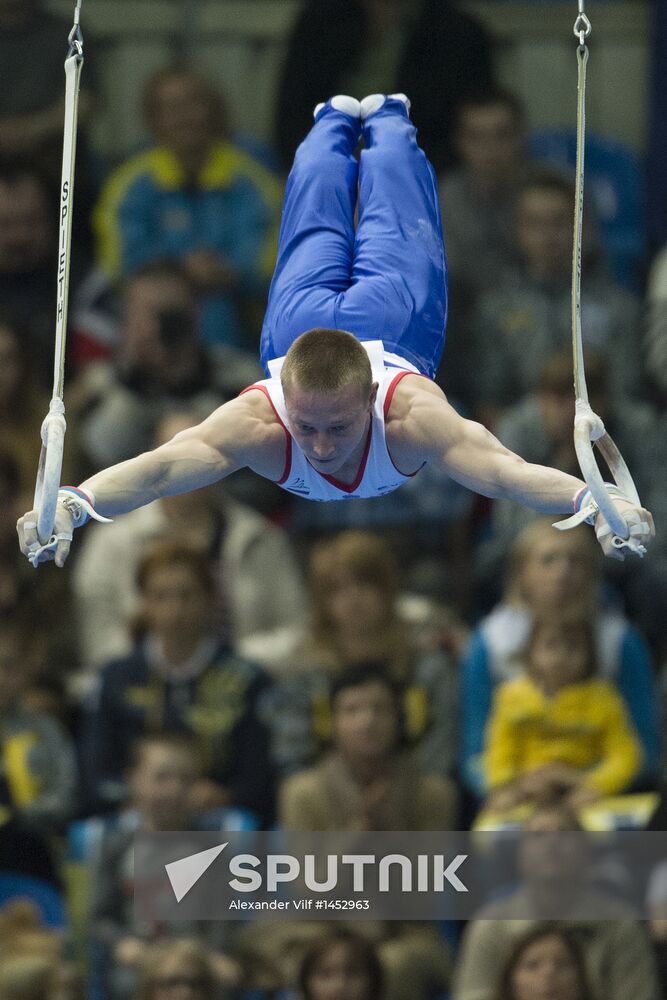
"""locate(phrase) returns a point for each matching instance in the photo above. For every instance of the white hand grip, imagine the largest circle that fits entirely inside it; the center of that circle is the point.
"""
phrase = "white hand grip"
(50, 468)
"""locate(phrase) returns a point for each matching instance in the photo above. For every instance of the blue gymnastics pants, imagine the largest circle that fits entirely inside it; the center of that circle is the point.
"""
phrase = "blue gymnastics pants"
(386, 281)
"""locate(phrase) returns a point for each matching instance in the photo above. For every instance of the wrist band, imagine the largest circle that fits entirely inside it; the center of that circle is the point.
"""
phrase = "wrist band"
(80, 505)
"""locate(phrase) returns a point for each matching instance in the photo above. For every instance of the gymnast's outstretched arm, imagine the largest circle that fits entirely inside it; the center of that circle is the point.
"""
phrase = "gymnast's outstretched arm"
(425, 427)
(240, 434)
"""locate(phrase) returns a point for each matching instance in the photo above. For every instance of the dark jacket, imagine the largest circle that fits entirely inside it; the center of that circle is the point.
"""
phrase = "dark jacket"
(446, 55)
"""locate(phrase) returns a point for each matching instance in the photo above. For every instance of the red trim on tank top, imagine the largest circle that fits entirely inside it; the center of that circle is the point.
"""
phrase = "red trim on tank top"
(387, 403)
(347, 487)
(288, 436)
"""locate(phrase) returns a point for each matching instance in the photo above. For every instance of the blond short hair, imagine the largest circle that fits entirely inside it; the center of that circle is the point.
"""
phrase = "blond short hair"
(326, 361)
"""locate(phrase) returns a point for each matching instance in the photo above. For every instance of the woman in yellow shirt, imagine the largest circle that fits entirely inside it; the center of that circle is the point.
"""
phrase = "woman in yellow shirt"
(557, 731)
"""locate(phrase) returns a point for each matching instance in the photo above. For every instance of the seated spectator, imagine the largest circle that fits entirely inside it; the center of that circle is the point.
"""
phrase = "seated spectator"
(341, 966)
(38, 776)
(556, 730)
(553, 572)
(196, 197)
(163, 778)
(182, 678)
(367, 781)
(430, 49)
(159, 366)
(28, 249)
(358, 616)
(252, 559)
(518, 326)
(547, 962)
(616, 949)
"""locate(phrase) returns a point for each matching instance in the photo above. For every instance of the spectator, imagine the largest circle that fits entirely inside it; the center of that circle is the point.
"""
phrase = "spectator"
(196, 197)
(367, 782)
(615, 947)
(553, 572)
(163, 778)
(182, 678)
(547, 962)
(28, 246)
(556, 730)
(159, 366)
(358, 616)
(520, 325)
(252, 559)
(341, 966)
(38, 777)
(429, 49)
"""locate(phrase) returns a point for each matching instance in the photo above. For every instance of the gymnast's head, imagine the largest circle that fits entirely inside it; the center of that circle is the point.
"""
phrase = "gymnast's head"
(329, 395)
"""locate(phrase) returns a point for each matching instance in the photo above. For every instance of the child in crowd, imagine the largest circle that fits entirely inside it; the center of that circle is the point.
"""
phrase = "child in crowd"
(557, 731)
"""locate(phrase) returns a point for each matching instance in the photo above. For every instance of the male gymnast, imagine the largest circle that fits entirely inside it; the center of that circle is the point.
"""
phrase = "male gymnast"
(349, 407)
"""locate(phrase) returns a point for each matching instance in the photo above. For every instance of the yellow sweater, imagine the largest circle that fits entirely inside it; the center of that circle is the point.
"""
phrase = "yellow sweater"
(583, 725)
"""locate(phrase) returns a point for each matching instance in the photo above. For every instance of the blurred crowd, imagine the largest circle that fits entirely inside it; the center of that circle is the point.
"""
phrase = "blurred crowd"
(240, 659)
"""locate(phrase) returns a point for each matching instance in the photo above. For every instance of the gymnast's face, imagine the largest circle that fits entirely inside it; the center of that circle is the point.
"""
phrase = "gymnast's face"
(330, 428)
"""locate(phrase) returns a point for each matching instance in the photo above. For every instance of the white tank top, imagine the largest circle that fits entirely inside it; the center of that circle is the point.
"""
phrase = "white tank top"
(377, 474)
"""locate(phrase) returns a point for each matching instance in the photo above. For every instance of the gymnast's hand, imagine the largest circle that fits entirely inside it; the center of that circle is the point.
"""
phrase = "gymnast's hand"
(57, 547)
(640, 525)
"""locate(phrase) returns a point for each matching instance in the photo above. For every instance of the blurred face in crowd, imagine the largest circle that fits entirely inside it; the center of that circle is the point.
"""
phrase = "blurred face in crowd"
(26, 225)
(182, 118)
(176, 605)
(338, 975)
(546, 970)
(545, 232)
(365, 721)
(355, 604)
(490, 143)
(160, 332)
(160, 784)
(555, 571)
(559, 655)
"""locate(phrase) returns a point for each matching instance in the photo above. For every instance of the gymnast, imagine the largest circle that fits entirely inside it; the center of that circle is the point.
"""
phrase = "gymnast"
(351, 341)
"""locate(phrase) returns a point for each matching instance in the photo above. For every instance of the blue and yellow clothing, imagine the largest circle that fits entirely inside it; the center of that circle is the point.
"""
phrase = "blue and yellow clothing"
(583, 725)
(221, 706)
(149, 211)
